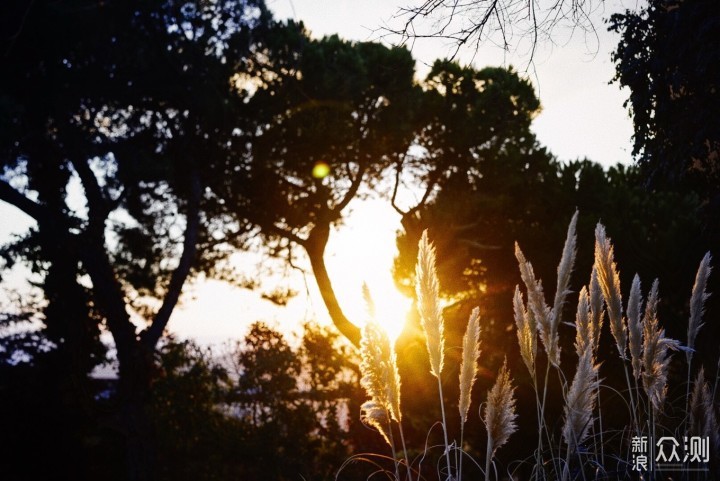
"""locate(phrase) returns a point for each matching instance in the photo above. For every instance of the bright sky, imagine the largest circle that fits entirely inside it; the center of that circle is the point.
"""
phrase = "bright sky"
(582, 116)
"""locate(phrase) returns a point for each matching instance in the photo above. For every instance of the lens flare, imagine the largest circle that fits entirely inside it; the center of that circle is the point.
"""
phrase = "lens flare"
(320, 170)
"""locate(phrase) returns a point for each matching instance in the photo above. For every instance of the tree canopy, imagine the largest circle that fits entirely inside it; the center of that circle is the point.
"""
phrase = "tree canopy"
(669, 58)
(130, 100)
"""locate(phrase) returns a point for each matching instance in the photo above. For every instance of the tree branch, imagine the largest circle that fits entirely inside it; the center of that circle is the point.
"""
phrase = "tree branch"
(37, 211)
(289, 235)
(352, 191)
(315, 248)
(98, 206)
(153, 333)
(398, 171)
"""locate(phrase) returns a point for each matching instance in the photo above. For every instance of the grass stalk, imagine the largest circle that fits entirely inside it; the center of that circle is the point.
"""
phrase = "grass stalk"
(407, 459)
(444, 425)
(600, 429)
(488, 459)
(458, 462)
(392, 448)
(633, 409)
(566, 468)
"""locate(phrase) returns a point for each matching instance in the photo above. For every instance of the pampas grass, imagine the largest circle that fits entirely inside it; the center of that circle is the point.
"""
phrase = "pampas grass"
(638, 336)
(547, 318)
(381, 380)
(697, 308)
(584, 340)
(431, 318)
(634, 323)
(526, 331)
(655, 353)
(609, 281)
(703, 420)
(540, 310)
(597, 313)
(697, 303)
(580, 401)
(378, 366)
(579, 406)
(468, 372)
(468, 366)
(428, 297)
(374, 415)
(564, 269)
(499, 415)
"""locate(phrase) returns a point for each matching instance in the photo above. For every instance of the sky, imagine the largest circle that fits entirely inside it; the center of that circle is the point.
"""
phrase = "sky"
(582, 117)
(582, 113)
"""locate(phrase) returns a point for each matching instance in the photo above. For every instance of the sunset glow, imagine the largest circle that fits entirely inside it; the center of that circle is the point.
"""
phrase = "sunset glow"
(363, 252)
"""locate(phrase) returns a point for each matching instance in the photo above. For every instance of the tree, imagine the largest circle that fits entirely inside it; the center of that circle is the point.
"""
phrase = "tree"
(264, 410)
(131, 101)
(469, 119)
(329, 117)
(292, 403)
(669, 58)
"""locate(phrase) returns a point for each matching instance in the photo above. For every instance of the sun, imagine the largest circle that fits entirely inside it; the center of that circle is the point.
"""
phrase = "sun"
(362, 251)
(391, 310)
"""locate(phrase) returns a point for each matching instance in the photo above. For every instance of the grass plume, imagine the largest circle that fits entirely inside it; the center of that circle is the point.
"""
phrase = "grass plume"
(703, 420)
(597, 313)
(431, 318)
(584, 340)
(526, 331)
(565, 267)
(634, 324)
(378, 366)
(428, 298)
(499, 415)
(697, 303)
(374, 415)
(468, 372)
(580, 401)
(540, 310)
(468, 366)
(609, 281)
(655, 353)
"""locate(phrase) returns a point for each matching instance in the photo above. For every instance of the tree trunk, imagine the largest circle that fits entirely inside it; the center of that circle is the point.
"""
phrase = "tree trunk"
(315, 248)
(133, 398)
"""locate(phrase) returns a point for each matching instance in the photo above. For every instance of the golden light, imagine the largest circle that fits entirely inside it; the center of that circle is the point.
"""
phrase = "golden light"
(320, 170)
(362, 251)
(391, 310)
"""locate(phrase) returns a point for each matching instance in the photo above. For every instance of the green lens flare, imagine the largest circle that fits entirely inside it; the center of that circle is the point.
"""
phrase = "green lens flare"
(320, 170)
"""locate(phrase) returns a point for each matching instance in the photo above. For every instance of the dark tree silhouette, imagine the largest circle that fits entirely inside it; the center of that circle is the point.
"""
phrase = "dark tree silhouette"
(669, 58)
(329, 104)
(130, 100)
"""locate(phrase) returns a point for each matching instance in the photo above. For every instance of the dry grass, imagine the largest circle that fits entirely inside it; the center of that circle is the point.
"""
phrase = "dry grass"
(469, 365)
(581, 433)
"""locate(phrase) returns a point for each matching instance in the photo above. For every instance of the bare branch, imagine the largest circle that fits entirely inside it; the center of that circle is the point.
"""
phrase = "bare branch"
(471, 22)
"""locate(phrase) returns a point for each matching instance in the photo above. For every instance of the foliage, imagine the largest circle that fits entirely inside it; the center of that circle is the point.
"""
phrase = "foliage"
(264, 410)
(668, 56)
(341, 107)
(126, 104)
